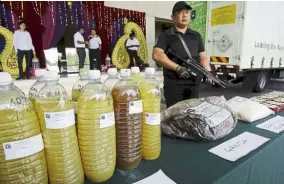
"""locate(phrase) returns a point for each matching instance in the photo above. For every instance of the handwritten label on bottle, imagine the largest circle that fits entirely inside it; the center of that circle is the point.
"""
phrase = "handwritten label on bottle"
(23, 148)
(107, 120)
(238, 146)
(275, 124)
(135, 107)
(153, 118)
(58, 120)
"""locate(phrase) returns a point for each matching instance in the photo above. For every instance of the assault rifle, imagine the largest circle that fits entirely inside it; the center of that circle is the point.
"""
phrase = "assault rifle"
(194, 67)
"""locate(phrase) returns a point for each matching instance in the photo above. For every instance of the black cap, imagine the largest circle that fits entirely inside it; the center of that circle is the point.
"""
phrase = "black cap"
(179, 6)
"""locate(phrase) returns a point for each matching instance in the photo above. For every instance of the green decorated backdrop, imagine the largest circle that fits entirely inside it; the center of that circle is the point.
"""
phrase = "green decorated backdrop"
(199, 23)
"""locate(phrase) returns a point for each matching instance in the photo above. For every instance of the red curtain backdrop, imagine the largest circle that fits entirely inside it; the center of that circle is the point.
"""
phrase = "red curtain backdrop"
(43, 19)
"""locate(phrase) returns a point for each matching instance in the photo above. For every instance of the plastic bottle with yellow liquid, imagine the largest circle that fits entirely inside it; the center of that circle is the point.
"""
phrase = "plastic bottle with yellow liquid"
(96, 129)
(76, 90)
(55, 111)
(135, 75)
(112, 78)
(128, 121)
(151, 97)
(22, 156)
(37, 85)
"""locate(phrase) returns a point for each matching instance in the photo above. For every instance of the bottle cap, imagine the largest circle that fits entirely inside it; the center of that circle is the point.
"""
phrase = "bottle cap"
(5, 78)
(94, 74)
(125, 73)
(150, 71)
(39, 73)
(83, 73)
(135, 70)
(50, 75)
(112, 71)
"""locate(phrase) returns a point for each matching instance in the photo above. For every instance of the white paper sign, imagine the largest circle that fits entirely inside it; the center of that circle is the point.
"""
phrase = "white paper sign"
(275, 124)
(107, 120)
(156, 178)
(23, 148)
(58, 120)
(153, 118)
(238, 146)
(216, 114)
(135, 107)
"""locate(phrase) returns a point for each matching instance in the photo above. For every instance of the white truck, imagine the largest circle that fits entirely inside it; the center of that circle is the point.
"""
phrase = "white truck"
(245, 41)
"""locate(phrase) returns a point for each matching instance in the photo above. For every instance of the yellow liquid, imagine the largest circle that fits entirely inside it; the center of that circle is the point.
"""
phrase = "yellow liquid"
(17, 125)
(97, 145)
(137, 78)
(151, 137)
(61, 145)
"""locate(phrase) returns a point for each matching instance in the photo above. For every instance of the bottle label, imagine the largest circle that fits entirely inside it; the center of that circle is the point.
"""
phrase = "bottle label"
(107, 120)
(58, 120)
(153, 118)
(135, 107)
(23, 148)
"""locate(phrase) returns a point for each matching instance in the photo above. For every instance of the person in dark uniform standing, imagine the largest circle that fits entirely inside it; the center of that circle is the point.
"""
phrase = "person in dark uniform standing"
(95, 50)
(179, 83)
(132, 45)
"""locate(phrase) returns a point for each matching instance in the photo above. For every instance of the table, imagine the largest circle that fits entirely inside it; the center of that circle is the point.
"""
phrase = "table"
(188, 162)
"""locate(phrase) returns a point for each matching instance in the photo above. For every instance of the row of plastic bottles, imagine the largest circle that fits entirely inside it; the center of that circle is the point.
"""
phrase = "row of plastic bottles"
(109, 127)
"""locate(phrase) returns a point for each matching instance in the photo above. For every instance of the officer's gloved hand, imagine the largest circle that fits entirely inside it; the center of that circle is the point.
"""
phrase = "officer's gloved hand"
(183, 72)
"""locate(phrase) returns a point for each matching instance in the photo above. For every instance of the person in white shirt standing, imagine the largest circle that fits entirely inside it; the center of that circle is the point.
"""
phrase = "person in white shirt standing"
(80, 43)
(95, 48)
(24, 47)
(132, 45)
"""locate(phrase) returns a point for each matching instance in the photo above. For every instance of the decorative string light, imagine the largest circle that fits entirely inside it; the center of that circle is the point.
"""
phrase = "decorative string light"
(40, 10)
(107, 24)
(118, 20)
(82, 15)
(66, 17)
(87, 11)
(92, 9)
(60, 13)
(22, 10)
(76, 14)
(5, 17)
(100, 15)
(71, 15)
(52, 15)
(12, 15)
(37, 9)
(110, 25)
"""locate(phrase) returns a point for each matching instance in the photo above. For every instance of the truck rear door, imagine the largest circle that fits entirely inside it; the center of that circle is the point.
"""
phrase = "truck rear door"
(224, 29)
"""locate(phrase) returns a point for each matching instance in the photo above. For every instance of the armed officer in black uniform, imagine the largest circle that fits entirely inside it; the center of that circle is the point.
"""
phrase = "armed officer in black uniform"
(179, 83)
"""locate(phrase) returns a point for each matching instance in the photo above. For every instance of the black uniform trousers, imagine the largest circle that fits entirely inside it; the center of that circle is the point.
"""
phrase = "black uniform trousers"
(133, 54)
(28, 56)
(95, 59)
(179, 92)
(82, 56)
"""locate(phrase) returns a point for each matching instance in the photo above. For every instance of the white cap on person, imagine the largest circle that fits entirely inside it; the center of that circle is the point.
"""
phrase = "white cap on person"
(5, 78)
